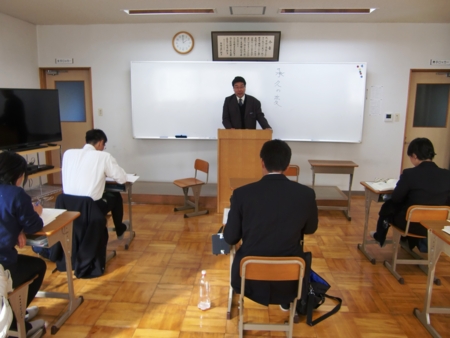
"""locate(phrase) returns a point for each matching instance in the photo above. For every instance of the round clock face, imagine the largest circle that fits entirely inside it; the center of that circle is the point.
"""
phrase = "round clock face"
(183, 42)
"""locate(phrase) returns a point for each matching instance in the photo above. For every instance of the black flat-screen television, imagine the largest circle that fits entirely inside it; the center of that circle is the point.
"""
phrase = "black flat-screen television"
(28, 118)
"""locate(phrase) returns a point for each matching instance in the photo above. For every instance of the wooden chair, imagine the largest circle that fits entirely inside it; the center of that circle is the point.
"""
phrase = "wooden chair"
(415, 213)
(18, 301)
(271, 269)
(196, 185)
(292, 171)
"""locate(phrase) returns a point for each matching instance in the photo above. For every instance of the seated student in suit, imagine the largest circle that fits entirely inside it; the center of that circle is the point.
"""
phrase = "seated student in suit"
(84, 173)
(270, 217)
(425, 184)
(17, 217)
(241, 111)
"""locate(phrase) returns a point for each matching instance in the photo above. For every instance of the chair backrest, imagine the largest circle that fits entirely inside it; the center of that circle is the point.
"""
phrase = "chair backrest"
(273, 269)
(17, 299)
(202, 166)
(417, 213)
(292, 171)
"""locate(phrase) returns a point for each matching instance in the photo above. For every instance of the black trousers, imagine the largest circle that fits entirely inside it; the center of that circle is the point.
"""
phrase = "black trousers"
(26, 268)
(112, 201)
(396, 214)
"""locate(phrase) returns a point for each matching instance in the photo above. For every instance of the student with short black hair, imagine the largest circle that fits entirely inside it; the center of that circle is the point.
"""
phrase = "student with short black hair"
(270, 217)
(18, 216)
(425, 184)
(84, 173)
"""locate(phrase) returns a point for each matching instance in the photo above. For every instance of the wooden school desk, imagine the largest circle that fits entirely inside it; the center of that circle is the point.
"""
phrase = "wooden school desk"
(127, 188)
(330, 197)
(370, 194)
(60, 230)
(438, 242)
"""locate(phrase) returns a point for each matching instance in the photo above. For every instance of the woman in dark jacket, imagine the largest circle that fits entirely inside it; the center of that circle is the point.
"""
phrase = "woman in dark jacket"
(18, 216)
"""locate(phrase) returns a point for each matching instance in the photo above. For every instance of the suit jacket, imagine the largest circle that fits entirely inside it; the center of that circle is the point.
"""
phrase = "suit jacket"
(89, 238)
(426, 184)
(270, 216)
(231, 116)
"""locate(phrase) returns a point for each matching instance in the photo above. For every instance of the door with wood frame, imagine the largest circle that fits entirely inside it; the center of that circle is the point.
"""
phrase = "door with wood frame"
(75, 96)
(428, 113)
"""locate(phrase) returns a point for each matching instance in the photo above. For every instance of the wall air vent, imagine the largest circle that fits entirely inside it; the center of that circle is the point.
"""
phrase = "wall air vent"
(248, 10)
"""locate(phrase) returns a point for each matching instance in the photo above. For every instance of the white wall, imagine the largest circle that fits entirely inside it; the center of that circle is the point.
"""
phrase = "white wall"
(18, 54)
(18, 59)
(390, 50)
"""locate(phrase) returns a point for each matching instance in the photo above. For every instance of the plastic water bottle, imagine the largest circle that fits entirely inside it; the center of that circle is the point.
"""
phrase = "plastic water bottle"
(204, 301)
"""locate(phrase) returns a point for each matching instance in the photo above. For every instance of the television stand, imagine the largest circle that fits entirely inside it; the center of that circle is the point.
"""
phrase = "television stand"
(29, 147)
(39, 170)
(43, 167)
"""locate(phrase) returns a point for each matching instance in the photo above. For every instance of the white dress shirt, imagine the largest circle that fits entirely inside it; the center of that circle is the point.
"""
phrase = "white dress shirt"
(241, 98)
(84, 172)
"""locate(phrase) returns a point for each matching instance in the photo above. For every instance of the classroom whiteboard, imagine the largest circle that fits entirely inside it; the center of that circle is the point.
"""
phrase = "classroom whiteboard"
(320, 102)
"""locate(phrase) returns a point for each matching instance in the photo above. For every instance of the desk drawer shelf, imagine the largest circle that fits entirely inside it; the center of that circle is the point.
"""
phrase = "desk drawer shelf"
(332, 198)
(42, 190)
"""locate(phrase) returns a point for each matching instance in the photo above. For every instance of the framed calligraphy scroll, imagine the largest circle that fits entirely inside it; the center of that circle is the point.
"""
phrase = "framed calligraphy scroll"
(246, 46)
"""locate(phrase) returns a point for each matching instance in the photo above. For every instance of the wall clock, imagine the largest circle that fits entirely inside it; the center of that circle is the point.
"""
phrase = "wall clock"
(183, 42)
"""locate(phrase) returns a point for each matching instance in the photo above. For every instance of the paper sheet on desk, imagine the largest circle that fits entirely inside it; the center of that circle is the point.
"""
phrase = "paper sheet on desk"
(446, 229)
(49, 215)
(225, 215)
(389, 184)
(130, 178)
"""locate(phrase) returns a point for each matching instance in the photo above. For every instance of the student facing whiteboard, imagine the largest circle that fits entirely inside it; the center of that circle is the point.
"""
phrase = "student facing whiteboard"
(241, 111)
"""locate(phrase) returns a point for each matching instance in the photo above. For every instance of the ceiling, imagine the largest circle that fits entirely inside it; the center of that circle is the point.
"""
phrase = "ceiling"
(83, 12)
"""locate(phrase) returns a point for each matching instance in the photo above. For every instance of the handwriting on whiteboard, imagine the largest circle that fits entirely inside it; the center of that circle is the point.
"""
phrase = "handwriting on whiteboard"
(278, 87)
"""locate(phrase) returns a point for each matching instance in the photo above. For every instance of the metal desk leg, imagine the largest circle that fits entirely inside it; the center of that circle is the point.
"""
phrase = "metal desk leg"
(349, 198)
(435, 248)
(369, 196)
(230, 292)
(65, 238)
(130, 215)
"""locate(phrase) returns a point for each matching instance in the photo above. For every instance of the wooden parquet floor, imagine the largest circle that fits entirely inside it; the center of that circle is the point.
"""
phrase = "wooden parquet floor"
(151, 289)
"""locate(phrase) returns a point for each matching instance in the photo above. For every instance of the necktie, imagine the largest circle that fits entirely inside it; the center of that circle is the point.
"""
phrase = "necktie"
(240, 103)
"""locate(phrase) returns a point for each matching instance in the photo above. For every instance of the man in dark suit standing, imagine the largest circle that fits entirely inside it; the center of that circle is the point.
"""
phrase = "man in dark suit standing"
(270, 217)
(241, 111)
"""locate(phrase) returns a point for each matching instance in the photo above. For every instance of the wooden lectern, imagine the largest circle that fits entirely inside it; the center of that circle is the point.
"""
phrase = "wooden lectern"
(237, 157)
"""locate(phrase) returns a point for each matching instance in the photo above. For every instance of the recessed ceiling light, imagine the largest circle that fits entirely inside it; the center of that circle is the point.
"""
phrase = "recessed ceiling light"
(168, 11)
(327, 11)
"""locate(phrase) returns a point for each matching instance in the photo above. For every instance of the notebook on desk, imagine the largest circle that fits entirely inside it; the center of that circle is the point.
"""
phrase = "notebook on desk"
(49, 214)
(130, 178)
(384, 185)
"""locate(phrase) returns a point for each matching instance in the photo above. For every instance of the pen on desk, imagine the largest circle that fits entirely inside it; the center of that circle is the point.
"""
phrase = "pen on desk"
(180, 136)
